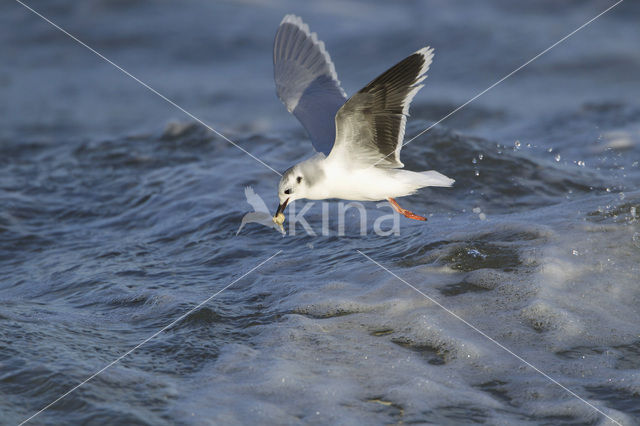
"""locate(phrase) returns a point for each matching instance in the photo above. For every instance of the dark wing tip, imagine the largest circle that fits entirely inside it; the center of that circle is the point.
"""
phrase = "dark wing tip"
(405, 74)
(383, 106)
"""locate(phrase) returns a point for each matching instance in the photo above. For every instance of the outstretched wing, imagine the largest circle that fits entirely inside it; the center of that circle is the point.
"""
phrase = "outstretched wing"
(370, 126)
(306, 81)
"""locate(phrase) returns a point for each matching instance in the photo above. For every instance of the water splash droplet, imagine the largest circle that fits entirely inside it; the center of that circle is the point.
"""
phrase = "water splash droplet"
(476, 253)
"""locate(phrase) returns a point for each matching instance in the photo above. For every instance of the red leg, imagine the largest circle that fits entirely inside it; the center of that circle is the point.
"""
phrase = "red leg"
(404, 212)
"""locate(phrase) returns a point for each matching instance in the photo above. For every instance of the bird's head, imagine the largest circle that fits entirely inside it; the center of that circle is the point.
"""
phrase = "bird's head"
(292, 186)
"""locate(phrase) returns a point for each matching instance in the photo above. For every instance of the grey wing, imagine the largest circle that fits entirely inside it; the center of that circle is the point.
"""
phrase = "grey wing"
(306, 81)
(370, 125)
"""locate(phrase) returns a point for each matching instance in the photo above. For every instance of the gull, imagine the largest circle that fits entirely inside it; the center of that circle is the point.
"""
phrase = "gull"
(358, 141)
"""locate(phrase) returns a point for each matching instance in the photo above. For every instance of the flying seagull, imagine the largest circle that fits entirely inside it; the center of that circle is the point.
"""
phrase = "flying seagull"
(358, 141)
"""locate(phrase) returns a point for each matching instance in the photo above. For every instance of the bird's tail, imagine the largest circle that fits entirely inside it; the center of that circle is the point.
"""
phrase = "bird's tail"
(433, 178)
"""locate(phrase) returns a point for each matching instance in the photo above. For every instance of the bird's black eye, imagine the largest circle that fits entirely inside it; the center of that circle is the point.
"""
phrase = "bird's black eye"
(299, 179)
(287, 191)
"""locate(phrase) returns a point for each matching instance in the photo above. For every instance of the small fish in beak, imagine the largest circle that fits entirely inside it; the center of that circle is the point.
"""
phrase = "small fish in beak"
(278, 218)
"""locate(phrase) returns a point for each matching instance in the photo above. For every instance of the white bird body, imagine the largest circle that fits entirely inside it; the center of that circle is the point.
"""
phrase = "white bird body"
(358, 140)
(338, 179)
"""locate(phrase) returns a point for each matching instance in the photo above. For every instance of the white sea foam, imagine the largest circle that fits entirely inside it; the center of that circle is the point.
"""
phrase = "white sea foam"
(356, 350)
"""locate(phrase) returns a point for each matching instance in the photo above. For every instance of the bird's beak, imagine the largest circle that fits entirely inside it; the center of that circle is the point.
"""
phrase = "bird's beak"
(279, 216)
(282, 206)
